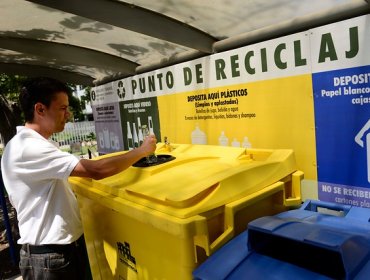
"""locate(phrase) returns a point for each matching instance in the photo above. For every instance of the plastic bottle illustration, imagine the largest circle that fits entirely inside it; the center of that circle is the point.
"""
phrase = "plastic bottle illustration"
(140, 132)
(150, 125)
(246, 144)
(198, 136)
(235, 143)
(130, 141)
(112, 137)
(223, 140)
(101, 140)
(116, 142)
(106, 138)
(136, 139)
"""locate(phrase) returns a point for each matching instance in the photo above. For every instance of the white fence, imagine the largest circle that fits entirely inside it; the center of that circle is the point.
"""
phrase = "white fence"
(75, 132)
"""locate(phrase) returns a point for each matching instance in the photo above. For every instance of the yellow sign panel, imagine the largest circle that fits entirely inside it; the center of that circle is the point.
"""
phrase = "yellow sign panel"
(274, 114)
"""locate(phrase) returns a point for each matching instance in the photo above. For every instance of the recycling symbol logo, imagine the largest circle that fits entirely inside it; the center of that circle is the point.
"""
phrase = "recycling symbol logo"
(121, 92)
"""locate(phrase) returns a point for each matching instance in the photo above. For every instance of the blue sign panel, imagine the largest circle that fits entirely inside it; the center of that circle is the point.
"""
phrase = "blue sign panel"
(342, 118)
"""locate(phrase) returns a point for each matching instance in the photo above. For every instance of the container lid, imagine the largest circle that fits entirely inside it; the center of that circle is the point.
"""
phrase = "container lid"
(335, 246)
(201, 178)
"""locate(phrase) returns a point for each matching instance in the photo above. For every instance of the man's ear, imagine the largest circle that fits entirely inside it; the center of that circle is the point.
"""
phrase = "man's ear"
(39, 108)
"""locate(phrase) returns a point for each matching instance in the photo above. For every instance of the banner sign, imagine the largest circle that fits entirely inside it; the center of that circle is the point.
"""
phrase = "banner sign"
(309, 92)
(107, 120)
(341, 83)
(247, 97)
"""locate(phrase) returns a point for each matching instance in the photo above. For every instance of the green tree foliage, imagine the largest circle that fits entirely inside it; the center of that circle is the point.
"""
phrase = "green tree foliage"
(75, 108)
(87, 96)
(10, 113)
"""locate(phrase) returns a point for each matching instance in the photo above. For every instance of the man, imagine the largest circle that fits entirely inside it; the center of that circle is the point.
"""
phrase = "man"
(35, 175)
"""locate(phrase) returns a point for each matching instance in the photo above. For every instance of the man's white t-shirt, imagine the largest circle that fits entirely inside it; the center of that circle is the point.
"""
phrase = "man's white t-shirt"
(35, 175)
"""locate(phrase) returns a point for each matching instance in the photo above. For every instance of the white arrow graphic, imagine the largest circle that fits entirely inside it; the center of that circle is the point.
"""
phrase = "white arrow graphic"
(358, 140)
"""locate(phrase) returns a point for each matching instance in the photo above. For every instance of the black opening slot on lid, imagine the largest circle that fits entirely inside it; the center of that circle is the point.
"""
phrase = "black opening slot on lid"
(143, 162)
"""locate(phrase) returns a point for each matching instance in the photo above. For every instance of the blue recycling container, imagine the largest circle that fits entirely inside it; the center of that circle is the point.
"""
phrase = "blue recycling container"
(320, 240)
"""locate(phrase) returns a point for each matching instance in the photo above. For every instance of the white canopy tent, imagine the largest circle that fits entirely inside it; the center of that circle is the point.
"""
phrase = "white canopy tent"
(91, 42)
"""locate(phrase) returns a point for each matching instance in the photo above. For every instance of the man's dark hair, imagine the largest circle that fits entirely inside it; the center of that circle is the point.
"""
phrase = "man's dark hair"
(41, 89)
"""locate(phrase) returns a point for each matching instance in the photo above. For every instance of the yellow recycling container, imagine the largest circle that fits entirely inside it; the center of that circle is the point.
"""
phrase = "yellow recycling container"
(162, 221)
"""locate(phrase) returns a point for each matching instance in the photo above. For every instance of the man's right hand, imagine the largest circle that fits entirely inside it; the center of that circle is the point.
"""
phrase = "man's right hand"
(149, 145)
